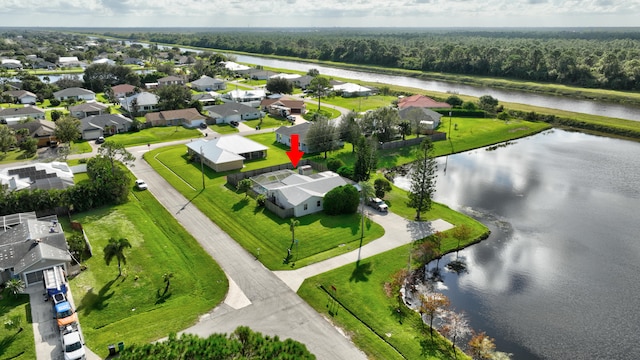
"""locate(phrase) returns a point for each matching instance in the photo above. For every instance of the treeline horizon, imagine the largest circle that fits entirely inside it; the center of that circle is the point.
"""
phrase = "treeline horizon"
(584, 57)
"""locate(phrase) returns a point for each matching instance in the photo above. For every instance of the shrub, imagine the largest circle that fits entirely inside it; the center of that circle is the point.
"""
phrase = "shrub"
(381, 186)
(261, 200)
(341, 200)
(54, 102)
(334, 164)
(346, 171)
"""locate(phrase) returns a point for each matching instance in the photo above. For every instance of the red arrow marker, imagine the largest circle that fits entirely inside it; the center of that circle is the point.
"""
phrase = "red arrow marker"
(295, 154)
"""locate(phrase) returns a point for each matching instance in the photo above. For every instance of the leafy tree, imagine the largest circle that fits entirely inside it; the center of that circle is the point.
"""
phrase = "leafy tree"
(349, 129)
(320, 86)
(313, 72)
(110, 184)
(244, 185)
(341, 200)
(423, 180)
(414, 115)
(334, 164)
(322, 136)
(116, 152)
(346, 171)
(488, 103)
(432, 305)
(469, 105)
(461, 232)
(7, 138)
(77, 245)
(481, 346)
(366, 159)
(97, 76)
(67, 129)
(455, 327)
(15, 286)
(279, 85)
(381, 187)
(173, 97)
(56, 114)
(454, 101)
(382, 122)
(115, 249)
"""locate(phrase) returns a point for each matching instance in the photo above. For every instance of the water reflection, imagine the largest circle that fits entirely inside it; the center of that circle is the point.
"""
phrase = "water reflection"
(557, 277)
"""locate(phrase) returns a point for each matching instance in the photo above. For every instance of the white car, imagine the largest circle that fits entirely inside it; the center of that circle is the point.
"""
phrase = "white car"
(141, 185)
(378, 204)
(72, 345)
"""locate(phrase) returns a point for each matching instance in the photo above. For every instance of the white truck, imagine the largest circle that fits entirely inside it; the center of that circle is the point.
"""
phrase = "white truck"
(72, 343)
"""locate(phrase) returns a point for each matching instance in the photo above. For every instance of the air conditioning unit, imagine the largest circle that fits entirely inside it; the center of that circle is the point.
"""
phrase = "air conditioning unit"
(305, 170)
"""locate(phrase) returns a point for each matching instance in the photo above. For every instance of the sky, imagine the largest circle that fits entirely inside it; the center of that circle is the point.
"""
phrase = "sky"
(316, 13)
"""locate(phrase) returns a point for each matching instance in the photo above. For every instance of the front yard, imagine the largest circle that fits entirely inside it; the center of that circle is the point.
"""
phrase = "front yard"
(16, 331)
(155, 135)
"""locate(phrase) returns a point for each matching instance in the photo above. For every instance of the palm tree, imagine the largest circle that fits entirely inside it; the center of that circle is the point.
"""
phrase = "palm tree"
(292, 227)
(167, 279)
(115, 249)
(16, 286)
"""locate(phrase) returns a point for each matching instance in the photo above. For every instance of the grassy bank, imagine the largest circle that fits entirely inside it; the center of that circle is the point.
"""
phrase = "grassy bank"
(134, 308)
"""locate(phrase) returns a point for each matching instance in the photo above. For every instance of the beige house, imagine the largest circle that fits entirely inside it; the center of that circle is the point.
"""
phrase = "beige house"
(227, 152)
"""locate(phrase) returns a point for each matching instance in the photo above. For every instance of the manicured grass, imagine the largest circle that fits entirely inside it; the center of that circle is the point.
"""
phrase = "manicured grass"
(223, 128)
(155, 135)
(134, 308)
(15, 344)
(268, 121)
(325, 111)
(14, 156)
(320, 236)
(361, 103)
(81, 147)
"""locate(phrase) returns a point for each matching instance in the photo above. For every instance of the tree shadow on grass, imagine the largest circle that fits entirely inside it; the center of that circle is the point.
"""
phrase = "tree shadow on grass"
(240, 205)
(4, 346)
(162, 297)
(92, 301)
(361, 273)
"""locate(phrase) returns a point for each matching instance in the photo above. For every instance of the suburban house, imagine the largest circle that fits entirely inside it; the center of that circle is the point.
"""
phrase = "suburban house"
(140, 102)
(22, 96)
(170, 80)
(207, 83)
(41, 130)
(235, 67)
(206, 98)
(295, 106)
(420, 101)
(249, 97)
(303, 194)
(351, 90)
(303, 81)
(70, 61)
(103, 61)
(87, 109)
(74, 93)
(227, 152)
(228, 112)
(10, 115)
(44, 176)
(122, 90)
(94, 126)
(29, 245)
(429, 119)
(11, 64)
(283, 135)
(288, 77)
(186, 117)
(257, 74)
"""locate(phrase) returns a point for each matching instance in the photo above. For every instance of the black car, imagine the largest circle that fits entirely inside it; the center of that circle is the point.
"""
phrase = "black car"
(234, 123)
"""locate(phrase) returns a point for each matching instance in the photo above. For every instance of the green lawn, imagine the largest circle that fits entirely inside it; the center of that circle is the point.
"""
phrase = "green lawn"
(320, 236)
(362, 103)
(325, 111)
(14, 156)
(365, 312)
(16, 344)
(81, 147)
(268, 121)
(155, 135)
(134, 308)
(223, 128)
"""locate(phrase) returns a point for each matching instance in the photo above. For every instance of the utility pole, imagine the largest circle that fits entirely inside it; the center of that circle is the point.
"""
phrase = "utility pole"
(202, 166)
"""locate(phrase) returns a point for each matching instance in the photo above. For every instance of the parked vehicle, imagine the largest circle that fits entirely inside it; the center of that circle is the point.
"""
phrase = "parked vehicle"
(291, 119)
(54, 281)
(378, 204)
(100, 140)
(72, 343)
(65, 314)
(234, 123)
(141, 185)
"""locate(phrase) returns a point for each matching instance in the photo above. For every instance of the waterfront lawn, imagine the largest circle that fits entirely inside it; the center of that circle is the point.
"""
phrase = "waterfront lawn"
(156, 134)
(16, 343)
(320, 236)
(134, 307)
(361, 103)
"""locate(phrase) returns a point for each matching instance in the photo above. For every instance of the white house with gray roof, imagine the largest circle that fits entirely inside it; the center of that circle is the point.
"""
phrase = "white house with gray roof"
(302, 193)
(74, 93)
(87, 109)
(232, 111)
(227, 152)
(144, 101)
(13, 115)
(207, 83)
(29, 245)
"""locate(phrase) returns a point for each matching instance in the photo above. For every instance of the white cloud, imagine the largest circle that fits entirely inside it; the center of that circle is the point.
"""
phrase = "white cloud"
(295, 13)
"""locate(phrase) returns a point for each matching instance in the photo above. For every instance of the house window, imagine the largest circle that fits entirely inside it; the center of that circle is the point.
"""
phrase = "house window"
(318, 203)
(305, 206)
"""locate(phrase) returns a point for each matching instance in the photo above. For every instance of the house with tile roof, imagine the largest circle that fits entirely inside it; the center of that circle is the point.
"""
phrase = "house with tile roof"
(87, 109)
(94, 126)
(171, 80)
(29, 245)
(302, 194)
(190, 118)
(295, 106)
(11, 115)
(226, 152)
(122, 90)
(232, 111)
(421, 101)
